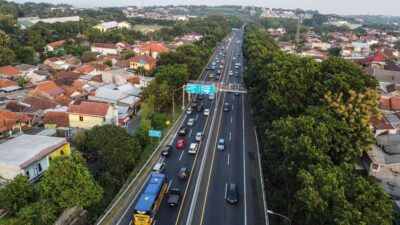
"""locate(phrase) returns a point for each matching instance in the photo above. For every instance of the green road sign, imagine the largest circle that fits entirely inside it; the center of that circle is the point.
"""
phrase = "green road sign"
(207, 89)
(193, 88)
(154, 133)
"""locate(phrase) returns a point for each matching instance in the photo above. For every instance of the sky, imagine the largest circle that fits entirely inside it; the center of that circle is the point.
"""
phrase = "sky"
(341, 7)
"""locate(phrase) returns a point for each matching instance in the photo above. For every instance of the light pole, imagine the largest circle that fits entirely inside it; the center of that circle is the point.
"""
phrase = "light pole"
(173, 100)
(274, 213)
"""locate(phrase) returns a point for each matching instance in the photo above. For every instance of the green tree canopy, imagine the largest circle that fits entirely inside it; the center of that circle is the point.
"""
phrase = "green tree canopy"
(16, 194)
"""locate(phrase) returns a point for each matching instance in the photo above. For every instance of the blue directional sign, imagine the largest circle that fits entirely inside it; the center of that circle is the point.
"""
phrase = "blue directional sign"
(193, 88)
(207, 89)
(234, 29)
(154, 133)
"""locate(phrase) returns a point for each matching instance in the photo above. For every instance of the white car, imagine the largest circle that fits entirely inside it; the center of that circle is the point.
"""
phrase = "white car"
(206, 112)
(230, 73)
(199, 136)
(211, 97)
(190, 122)
(193, 148)
(159, 168)
(189, 111)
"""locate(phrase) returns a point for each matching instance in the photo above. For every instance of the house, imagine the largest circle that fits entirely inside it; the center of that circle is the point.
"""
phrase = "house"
(48, 89)
(89, 114)
(30, 155)
(124, 45)
(55, 46)
(105, 48)
(144, 61)
(318, 45)
(286, 46)
(37, 76)
(92, 69)
(63, 100)
(9, 72)
(315, 53)
(6, 83)
(376, 60)
(54, 119)
(117, 77)
(25, 68)
(153, 49)
(385, 167)
(106, 26)
(124, 25)
(12, 123)
(63, 63)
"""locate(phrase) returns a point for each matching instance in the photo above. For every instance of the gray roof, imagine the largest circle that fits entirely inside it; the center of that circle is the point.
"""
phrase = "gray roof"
(24, 67)
(106, 93)
(109, 25)
(130, 89)
(392, 149)
(130, 100)
(26, 149)
(390, 139)
(387, 76)
(11, 88)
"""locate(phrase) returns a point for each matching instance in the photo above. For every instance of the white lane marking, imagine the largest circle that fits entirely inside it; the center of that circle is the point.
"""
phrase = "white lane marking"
(180, 157)
(233, 96)
(232, 107)
(231, 119)
(162, 159)
(230, 136)
(174, 136)
(226, 187)
(228, 158)
(244, 165)
(169, 185)
(130, 222)
(197, 116)
(190, 133)
(155, 221)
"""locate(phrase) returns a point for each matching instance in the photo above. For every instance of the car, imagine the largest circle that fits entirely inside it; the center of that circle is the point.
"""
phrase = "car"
(226, 107)
(174, 197)
(211, 75)
(222, 62)
(189, 111)
(206, 112)
(193, 148)
(221, 67)
(233, 58)
(211, 97)
(221, 144)
(199, 108)
(182, 131)
(159, 167)
(232, 194)
(183, 173)
(218, 72)
(199, 136)
(230, 73)
(213, 68)
(166, 150)
(208, 68)
(191, 122)
(200, 97)
(180, 144)
(236, 74)
(193, 104)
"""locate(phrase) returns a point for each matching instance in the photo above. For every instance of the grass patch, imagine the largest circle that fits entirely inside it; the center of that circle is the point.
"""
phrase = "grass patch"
(146, 28)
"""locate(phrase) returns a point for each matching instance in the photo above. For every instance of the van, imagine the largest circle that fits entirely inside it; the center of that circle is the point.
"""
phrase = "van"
(193, 148)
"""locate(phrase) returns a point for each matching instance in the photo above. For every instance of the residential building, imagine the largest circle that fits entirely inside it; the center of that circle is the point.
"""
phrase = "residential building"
(89, 114)
(318, 45)
(9, 72)
(12, 123)
(54, 119)
(63, 63)
(106, 26)
(146, 62)
(105, 48)
(6, 83)
(30, 155)
(55, 46)
(124, 25)
(48, 89)
(286, 46)
(153, 49)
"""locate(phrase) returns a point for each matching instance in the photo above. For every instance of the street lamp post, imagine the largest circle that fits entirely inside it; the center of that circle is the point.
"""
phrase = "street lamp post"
(173, 100)
(274, 213)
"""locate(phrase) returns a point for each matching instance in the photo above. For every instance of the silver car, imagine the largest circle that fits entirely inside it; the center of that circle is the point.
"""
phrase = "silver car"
(221, 144)
(199, 136)
(190, 122)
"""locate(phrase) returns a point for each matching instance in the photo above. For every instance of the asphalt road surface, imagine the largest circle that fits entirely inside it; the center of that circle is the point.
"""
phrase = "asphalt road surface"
(204, 192)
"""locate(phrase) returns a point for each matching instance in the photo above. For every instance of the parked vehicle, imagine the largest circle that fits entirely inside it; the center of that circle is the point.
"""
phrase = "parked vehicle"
(174, 197)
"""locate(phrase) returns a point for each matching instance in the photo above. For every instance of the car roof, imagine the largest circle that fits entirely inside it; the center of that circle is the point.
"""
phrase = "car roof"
(192, 145)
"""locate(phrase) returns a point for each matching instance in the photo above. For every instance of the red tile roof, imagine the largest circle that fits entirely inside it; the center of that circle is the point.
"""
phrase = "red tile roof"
(63, 100)
(155, 47)
(9, 71)
(60, 119)
(68, 90)
(56, 44)
(50, 88)
(67, 74)
(89, 108)
(8, 119)
(148, 59)
(385, 103)
(375, 58)
(6, 83)
(104, 45)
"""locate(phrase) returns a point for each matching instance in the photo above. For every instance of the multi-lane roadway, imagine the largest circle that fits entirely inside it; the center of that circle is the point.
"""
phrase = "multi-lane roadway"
(204, 192)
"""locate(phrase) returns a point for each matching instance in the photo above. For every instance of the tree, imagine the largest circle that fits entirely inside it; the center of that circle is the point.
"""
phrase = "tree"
(142, 132)
(175, 75)
(75, 49)
(108, 63)
(7, 23)
(16, 194)
(335, 51)
(6, 54)
(26, 54)
(129, 54)
(88, 56)
(23, 81)
(68, 183)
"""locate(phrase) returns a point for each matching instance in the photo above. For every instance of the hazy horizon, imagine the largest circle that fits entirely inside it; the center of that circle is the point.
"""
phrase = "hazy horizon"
(340, 7)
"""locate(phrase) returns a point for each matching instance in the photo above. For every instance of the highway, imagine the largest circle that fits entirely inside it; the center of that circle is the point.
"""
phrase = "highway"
(203, 193)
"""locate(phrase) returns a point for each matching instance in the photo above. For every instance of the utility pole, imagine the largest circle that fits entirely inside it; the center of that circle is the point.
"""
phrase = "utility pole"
(299, 21)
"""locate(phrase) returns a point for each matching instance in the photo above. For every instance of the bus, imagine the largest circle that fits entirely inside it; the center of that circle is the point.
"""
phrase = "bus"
(146, 208)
